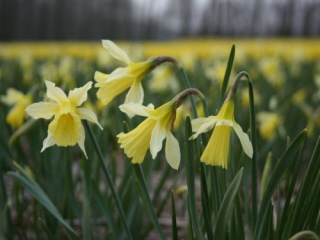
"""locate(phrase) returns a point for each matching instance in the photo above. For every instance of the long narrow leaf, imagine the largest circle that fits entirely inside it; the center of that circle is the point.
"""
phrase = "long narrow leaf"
(35, 190)
(173, 217)
(227, 206)
(288, 155)
(190, 175)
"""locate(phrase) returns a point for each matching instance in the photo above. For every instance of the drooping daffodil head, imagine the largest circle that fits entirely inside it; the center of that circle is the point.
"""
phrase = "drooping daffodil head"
(150, 133)
(122, 78)
(216, 152)
(66, 128)
(19, 102)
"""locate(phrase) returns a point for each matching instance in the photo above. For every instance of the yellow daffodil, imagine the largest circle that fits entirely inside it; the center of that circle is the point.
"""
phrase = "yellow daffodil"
(66, 128)
(269, 123)
(217, 149)
(19, 101)
(111, 85)
(151, 133)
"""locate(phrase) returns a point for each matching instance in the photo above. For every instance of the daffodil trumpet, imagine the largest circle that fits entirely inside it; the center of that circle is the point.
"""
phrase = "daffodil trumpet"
(153, 130)
(216, 152)
(66, 128)
(123, 78)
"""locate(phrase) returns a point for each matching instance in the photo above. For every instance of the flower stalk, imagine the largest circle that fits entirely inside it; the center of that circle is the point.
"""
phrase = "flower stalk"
(109, 179)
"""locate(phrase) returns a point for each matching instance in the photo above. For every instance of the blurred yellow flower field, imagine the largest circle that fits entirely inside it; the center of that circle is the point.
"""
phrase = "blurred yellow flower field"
(181, 99)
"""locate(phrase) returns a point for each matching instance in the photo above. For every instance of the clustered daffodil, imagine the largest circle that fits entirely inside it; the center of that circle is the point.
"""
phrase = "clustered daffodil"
(151, 133)
(111, 85)
(19, 101)
(217, 150)
(66, 128)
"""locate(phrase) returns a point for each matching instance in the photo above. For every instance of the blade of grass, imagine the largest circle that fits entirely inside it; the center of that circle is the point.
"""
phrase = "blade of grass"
(6, 226)
(227, 207)
(109, 179)
(144, 193)
(173, 218)
(190, 175)
(284, 216)
(146, 199)
(35, 190)
(275, 178)
(205, 202)
(303, 197)
(227, 74)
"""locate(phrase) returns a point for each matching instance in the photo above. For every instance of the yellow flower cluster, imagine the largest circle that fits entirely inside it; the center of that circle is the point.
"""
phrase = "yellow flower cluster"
(66, 112)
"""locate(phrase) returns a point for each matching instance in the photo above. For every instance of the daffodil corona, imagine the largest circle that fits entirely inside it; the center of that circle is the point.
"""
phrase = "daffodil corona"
(151, 133)
(66, 128)
(111, 85)
(19, 101)
(217, 150)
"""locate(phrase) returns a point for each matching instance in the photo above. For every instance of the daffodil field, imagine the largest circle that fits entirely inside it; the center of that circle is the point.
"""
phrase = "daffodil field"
(186, 139)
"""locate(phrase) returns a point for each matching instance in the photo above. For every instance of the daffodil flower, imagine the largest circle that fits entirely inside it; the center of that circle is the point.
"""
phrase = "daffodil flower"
(151, 133)
(111, 85)
(269, 123)
(217, 149)
(66, 128)
(19, 101)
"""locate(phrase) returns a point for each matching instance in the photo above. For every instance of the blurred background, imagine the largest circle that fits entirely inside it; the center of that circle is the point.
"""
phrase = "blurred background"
(156, 20)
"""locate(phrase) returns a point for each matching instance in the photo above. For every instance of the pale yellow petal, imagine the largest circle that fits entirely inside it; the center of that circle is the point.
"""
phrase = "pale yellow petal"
(110, 90)
(117, 74)
(100, 77)
(136, 142)
(55, 93)
(173, 154)
(78, 95)
(65, 129)
(217, 150)
(132, 109)
(81, 141)
(48, 142)
(115, 51)
(244, 140)
(42, 110)
(13, 96)
(157, 136)
(202, 125)
(135, 93)
(88, 115)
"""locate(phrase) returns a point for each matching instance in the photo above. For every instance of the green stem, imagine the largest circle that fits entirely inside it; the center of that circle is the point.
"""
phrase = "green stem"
(108, 177)
(173, 218)
(187, 84)
(146, 199)
(253, 133)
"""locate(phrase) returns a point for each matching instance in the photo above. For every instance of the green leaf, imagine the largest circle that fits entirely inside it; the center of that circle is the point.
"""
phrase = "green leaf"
(227, 207)
(227, 74)
(190, 175)
(173, 217)
(146, 199)
(35, 190)
(205, 202)
(306, 192)
(276, 176)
